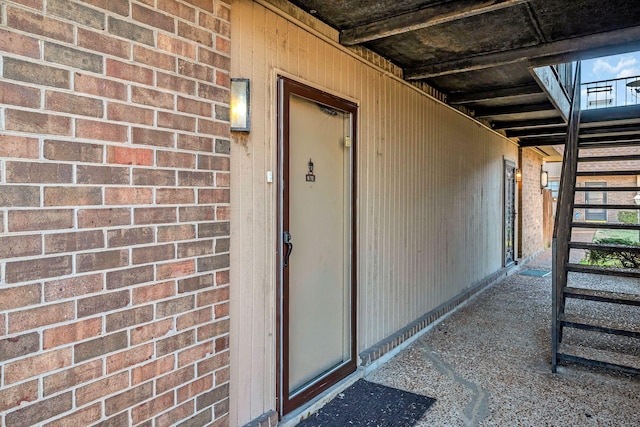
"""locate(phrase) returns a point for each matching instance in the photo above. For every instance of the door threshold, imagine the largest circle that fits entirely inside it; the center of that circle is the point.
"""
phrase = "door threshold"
(304, 411)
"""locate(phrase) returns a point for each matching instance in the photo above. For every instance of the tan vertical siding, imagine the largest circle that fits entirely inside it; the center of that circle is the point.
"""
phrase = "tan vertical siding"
(429, 197)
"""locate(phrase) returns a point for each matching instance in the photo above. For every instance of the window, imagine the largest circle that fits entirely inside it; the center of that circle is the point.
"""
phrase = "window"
(596, 198)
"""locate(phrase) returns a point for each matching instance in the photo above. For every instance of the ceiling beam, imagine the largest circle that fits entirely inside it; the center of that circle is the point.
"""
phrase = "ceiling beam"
(422, 18)
(488, 95)
(625, 129)
(538, 132)
(589, 46)
(610, 141)
(539, 142)
(549, 79)
(527, 124)
(612, 138)
(515, 109)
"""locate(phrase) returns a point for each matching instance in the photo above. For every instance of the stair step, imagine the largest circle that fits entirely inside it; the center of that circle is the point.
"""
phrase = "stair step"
(596, 357)
(608, 158)
(608, 189)
(602, 296)
(599, 325)
(587, 144)
(608, 173)
(604, 247)
(605, 225)
(601, 206)
(606, 271)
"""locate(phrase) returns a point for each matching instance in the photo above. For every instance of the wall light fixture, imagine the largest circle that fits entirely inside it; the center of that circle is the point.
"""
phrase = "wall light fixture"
(240, 105)
(544, 179)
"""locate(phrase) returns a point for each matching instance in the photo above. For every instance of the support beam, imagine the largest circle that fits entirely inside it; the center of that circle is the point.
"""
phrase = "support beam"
(611, 140)
(602, 131)
(541, 142)
(422, 18)
(589, 46)
(528, 124)
(586, 145)
(488, 95)
(538, 132)
(516, 109)
(548, 79)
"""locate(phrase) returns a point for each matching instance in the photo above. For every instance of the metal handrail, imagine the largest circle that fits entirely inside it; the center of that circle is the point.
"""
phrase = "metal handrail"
(611, 93)
(565, 74)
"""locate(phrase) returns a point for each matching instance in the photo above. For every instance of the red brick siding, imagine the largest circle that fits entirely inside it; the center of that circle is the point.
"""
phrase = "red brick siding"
(530, 231)
(613, 198)
(619, 198)
(114, 210)
(611, 165)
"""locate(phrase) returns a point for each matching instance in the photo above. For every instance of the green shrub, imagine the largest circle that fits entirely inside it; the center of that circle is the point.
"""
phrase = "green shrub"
(614, 258)
(628, 217)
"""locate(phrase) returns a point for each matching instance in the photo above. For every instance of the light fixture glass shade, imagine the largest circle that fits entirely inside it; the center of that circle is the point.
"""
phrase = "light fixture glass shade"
(240, 105)
(544, 178)
(518, 175)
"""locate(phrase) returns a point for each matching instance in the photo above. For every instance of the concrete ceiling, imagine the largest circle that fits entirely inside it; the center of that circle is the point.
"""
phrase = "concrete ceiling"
(480, 52)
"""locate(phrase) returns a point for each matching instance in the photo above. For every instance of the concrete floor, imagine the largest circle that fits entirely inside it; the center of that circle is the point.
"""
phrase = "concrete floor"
(488, 364)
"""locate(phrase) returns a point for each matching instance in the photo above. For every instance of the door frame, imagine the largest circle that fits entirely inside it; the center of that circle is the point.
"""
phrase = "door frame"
(285, 88)
(512, 165)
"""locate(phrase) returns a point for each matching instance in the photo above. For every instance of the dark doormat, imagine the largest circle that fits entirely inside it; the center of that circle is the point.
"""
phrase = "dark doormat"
(369, 404)
(535, 273)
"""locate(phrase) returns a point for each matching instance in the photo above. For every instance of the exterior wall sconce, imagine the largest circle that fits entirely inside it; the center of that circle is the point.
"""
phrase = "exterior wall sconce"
(240, 105)
(518, 175)
(544, 179)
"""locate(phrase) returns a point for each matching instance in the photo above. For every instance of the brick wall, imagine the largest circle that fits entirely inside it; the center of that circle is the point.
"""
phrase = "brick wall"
(114, 207)
(611, 165)
(612, 198)
(530, 230)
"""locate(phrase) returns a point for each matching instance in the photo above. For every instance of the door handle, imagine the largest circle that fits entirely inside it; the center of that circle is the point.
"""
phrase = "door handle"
(286, 239)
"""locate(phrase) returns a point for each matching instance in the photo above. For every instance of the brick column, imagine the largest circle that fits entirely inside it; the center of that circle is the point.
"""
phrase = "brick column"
(530, 230)
(114, 210)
